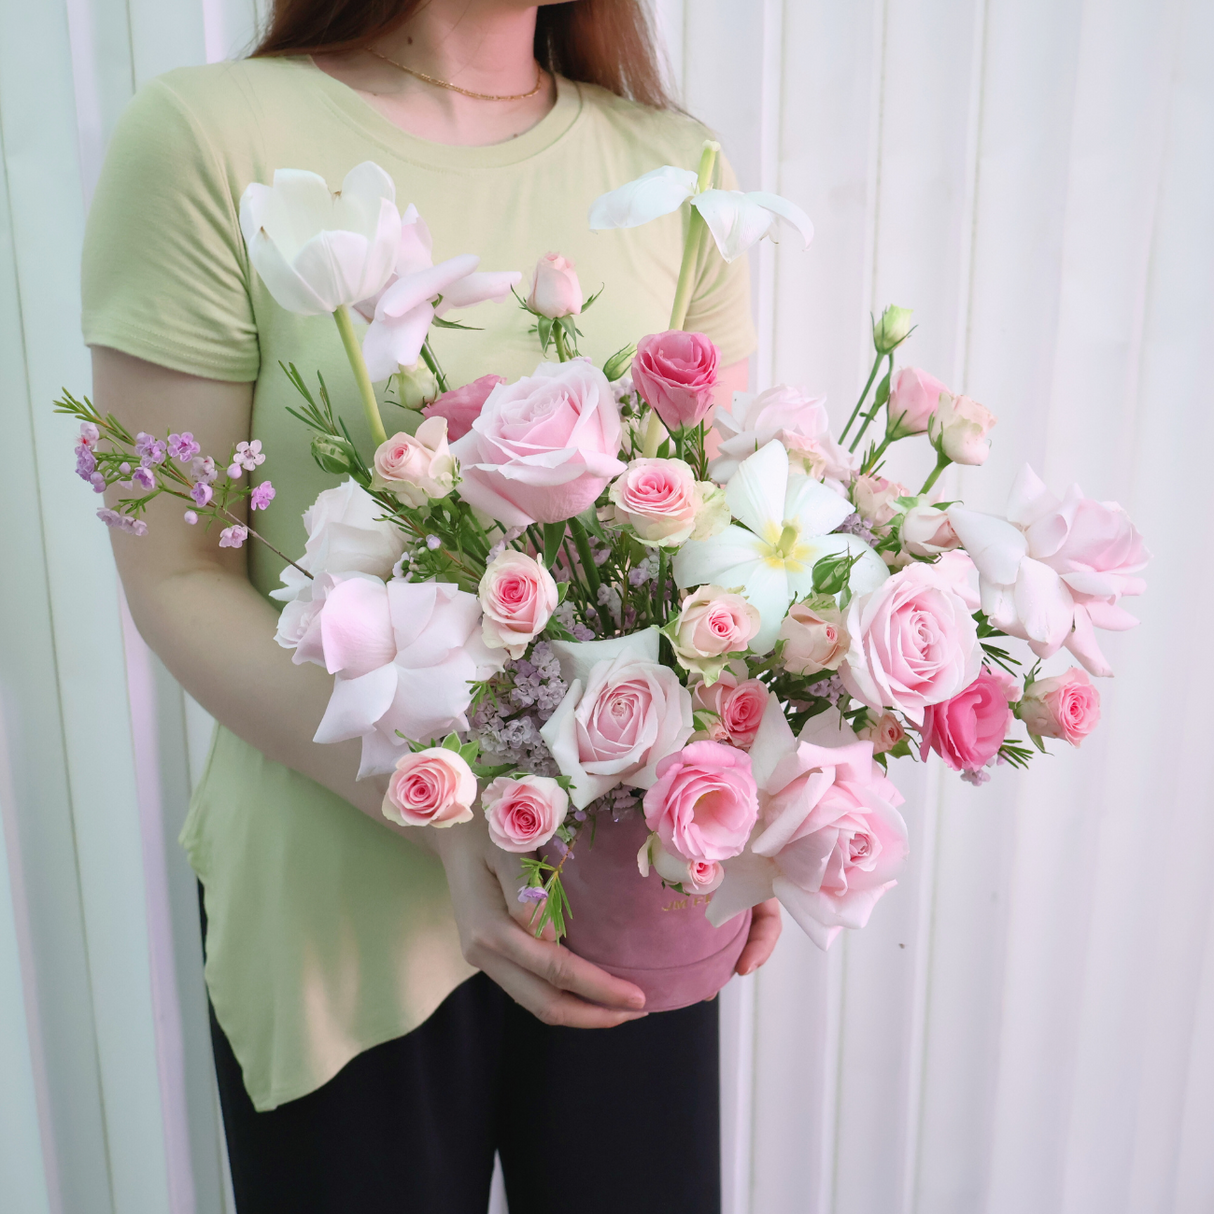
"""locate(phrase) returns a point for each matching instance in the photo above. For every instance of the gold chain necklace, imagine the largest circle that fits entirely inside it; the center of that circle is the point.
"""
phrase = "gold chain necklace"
(455, 88)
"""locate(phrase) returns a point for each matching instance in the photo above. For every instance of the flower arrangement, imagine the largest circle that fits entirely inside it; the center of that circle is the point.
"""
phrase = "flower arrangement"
(554, 603)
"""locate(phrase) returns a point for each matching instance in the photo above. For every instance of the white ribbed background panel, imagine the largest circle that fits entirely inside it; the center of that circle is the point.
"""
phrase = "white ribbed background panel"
(1028, 1022)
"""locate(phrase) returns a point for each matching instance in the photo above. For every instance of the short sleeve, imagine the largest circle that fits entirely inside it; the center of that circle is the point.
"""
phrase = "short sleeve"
(720, 304)
(165, 275)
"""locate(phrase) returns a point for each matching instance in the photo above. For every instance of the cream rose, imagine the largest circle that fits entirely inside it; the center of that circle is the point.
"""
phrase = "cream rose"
(813, 640)
(664, 504)
(518, 596)
(415, 468)
(927, 531)
(713, 623)
(960, 427)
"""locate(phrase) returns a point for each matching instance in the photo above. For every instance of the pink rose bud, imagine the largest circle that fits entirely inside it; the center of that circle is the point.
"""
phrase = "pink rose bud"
(737, 706)
(524, 814)
(675, 372)
(705, 802)
(876, 499)
(1065, 706)
(555, 290)
(913, 396)
(927, 531)
(967, 730)
(713, 623)
(884, 733)
(960, 427)
(813, 640)
(433, 787)
(518, 596)
(663, 503)
(695, 876)
(462, 406)
(416, 467)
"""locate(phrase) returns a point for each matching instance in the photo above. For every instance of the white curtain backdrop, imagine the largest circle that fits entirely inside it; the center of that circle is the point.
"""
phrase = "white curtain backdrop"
(1028, 1022)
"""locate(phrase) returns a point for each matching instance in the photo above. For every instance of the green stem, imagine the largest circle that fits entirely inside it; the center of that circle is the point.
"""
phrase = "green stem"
(654, 433)
(877, 403)
(872, 375)
(432, 362)
(562, 348)
(591, 570)
(942, 462)
(661, 596)
(696, 227)
(878, 452)
(358, 365)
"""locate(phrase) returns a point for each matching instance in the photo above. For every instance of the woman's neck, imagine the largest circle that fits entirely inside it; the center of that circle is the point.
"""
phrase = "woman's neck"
(485, 46)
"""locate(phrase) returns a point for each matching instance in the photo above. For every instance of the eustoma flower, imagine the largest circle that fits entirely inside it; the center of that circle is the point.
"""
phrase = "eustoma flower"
(462, 406)
(675, 373)
(1055, 569)
(787, 525)
(967, 730)
(695, 876)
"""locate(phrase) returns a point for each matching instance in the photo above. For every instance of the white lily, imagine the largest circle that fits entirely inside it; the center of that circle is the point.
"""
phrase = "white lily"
(787, 524)
(317, 251)
(402, 312)
(737, 220)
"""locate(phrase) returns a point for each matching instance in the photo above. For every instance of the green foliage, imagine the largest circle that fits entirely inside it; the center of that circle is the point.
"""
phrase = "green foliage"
(555, 908)
(832, 573)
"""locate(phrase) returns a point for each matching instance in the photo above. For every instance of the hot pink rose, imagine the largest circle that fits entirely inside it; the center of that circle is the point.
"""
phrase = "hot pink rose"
(831, 825)
(675, 373)
(705, 802)
(555, 290)
(913, 396)
(416, 467)
(462, 406)
(660, 499)
(433, 787)
(1065, 706)
(518, 596)
(913, 643)
(712, 623)
(523, 814)
(738, 706)
(544, 448)
(967, 731)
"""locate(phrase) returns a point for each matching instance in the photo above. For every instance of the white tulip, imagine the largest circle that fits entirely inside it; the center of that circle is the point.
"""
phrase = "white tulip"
(790, 521)
(317, 251)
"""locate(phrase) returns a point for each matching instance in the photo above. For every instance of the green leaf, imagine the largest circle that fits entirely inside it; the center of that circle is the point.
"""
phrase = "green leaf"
(615, 367)
(831, 573)
(554, 535)
(439, 323)
(544, 328)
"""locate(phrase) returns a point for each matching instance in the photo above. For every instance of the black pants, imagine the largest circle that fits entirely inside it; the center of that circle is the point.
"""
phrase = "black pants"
(587, 1121)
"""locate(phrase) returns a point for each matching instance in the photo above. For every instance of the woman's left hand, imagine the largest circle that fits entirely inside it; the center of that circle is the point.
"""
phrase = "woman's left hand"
(765, 925)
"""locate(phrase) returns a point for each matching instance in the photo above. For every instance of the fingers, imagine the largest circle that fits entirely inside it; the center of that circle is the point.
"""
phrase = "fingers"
(765, 927)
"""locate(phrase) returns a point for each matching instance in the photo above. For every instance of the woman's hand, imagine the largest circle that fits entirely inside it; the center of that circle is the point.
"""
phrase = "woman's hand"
(765, 926)
(552, 983)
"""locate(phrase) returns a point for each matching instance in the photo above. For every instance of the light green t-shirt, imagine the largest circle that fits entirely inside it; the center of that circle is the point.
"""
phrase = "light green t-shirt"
(327, 934)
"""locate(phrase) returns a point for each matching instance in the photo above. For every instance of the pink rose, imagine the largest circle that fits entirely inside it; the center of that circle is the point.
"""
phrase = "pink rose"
(967, 730)
(738, 707)
(555, 290)
(832, 828)
(927, 531)
(416, 467)
(695, 876)
(523, 813)
(813, 640)
(913, 643)
(462, 406)
(544, 448)
(913, 396)
(876, 499)
(632, 712)
(884, 733)
(659, 499)
(713, 623)
(960, 427)
(433, 787)
(704, 803)
(675, 373)
(1065, 706)
(518, 596)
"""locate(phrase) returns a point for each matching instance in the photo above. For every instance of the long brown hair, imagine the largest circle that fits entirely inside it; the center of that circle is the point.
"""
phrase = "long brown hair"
(603, 42)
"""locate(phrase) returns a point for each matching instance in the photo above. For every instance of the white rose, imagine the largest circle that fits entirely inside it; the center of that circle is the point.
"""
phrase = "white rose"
(927, 531)
(960, 427)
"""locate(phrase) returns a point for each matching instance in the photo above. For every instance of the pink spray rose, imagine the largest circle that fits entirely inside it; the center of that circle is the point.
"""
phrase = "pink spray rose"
(1065, 706)
(913, 643)
(518, 596)
(884, 733)
(713, 623)
(695, 876)
(523, 814)
(738, 705)
(704, 803)
(927, 531)
(433, 787)
(543, 448)
(416, 467)
(960, 427)
(913, 395)
(675, 373)
(876, 499)
(664, 504)
(462, 406)
(813, 640)
(555, 290)
(967, 730)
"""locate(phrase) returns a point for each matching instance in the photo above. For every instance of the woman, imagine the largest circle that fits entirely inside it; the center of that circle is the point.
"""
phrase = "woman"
(363, 1062)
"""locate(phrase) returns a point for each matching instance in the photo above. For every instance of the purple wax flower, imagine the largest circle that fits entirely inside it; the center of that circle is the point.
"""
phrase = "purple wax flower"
(202, 468)
(261, 496)
(86, 462)
(150, 449)
(182, 447)
(191, 517)
(233, 537)
(532, 893)
(144, 478)
(98, 482)
(247, 456)
(89, 433)
(201, 493)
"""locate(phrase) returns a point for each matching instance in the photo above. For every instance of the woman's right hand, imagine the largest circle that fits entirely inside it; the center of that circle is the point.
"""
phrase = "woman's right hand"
(555, 985)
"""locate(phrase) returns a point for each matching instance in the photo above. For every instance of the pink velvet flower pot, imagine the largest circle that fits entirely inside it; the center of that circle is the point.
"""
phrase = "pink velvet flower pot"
(635, 928)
